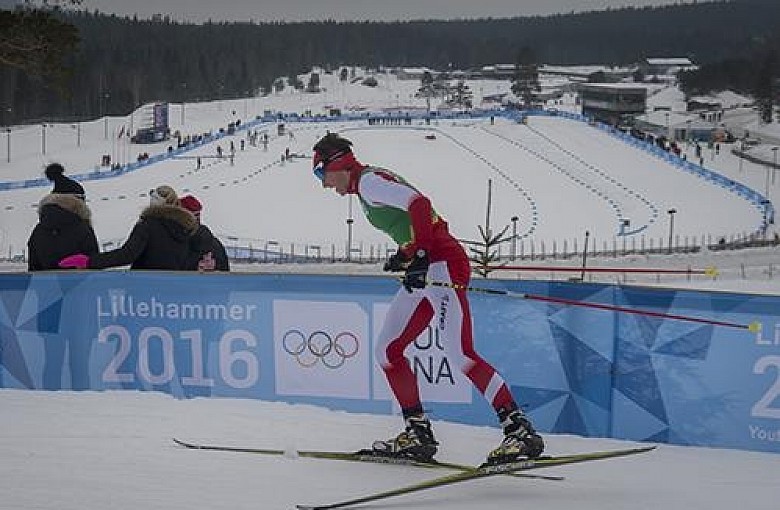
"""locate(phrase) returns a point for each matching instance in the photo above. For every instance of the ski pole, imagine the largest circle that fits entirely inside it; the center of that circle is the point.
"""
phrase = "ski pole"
(709, 271)
(753, 327)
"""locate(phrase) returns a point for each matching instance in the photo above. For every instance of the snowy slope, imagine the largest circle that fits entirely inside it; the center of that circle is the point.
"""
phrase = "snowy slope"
(76, 451)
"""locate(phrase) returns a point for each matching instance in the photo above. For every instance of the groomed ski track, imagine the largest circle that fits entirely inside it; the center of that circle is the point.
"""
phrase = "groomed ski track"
(559, 177)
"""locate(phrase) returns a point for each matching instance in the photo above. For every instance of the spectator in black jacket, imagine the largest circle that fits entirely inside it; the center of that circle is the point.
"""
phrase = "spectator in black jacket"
(55, 173)
(207, 253)
(64, 228)
(159, 240)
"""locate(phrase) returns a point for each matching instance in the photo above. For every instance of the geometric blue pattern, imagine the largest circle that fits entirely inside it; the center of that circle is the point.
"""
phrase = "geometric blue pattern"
(635, 378)
(594, 382)
(588, 374)
(12, 299)
(693, 345)
(575, 370)
(643, 343)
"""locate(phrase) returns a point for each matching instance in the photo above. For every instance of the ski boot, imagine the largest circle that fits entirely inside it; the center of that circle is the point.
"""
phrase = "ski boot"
(415, 442)
(520, 439)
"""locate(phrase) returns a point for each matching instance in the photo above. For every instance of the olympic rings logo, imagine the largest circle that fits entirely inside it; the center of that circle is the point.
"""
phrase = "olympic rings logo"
(320, 346)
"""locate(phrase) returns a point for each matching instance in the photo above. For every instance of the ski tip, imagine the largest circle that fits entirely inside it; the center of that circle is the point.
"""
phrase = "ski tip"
(632, 451)
(307, 507)
(183, 443)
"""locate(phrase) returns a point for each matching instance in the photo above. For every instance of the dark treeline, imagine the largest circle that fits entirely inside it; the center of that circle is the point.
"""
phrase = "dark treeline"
(122, 62)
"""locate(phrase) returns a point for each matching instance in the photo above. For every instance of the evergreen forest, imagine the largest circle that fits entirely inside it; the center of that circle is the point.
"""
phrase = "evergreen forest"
(120, 63)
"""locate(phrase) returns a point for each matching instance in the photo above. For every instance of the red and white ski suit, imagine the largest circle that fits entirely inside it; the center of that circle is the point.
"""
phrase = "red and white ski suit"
(397, 208)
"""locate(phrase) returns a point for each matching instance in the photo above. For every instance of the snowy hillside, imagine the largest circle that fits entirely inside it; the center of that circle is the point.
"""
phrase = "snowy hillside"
(559, 178)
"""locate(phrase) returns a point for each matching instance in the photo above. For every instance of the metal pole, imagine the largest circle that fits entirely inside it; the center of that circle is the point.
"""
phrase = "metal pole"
(105, 117)
(8, 133)
(585, 256)
(741, 154)
(671, 227)
(349, 238)
(766, 188)
(43, 138)
(184, 86)
(514, 237)
(349, 229)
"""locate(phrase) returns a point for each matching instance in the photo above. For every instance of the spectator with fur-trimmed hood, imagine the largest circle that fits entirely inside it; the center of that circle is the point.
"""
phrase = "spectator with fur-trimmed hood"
(64, 228)
(159, 240)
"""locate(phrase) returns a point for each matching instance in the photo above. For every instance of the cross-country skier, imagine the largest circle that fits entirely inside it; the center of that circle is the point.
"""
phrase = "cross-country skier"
(425, 246)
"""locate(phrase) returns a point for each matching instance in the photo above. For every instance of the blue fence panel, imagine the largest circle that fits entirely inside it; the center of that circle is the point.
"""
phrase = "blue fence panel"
(698, 384)
(310, 339)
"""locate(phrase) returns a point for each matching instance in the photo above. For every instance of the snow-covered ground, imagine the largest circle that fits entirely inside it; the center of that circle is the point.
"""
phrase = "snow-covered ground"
(560, 178)
(88, 450)
(77, 451)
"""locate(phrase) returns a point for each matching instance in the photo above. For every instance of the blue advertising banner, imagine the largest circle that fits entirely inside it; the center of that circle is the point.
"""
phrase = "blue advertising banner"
(310, 339)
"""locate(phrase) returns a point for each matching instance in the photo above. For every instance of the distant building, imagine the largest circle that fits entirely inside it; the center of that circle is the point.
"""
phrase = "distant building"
(414, 73)
(724, 100)
(582, 73)
(676, 126)
(612, 102)
(665, 69)
(497, 71)
(494, 98)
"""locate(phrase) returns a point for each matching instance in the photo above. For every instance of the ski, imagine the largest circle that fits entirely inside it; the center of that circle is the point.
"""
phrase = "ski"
(482, 472)
(359, 456)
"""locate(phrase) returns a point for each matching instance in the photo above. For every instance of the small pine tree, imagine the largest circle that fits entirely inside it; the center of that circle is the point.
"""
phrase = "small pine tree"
(296, 82)
(525, 82)
(462, 95)
(314, 83)
(764, 89)
(483, 252)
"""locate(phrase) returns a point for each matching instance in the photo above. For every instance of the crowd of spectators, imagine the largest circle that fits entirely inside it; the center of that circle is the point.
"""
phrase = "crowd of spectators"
(168, 234)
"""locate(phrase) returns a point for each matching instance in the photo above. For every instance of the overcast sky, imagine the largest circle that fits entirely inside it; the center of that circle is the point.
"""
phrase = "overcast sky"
(376, 10)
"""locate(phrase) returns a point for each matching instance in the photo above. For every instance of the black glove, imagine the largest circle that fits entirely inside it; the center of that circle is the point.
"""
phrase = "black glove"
(417, 271)
(396, 262)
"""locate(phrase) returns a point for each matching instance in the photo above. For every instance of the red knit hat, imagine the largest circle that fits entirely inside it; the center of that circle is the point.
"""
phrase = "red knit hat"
(191, 203)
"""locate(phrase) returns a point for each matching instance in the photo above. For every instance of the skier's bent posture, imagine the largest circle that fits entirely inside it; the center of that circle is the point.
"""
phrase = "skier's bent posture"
(425, 246)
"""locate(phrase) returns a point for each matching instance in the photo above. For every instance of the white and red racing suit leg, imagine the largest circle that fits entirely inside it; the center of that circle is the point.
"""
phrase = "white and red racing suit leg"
(411, 313)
